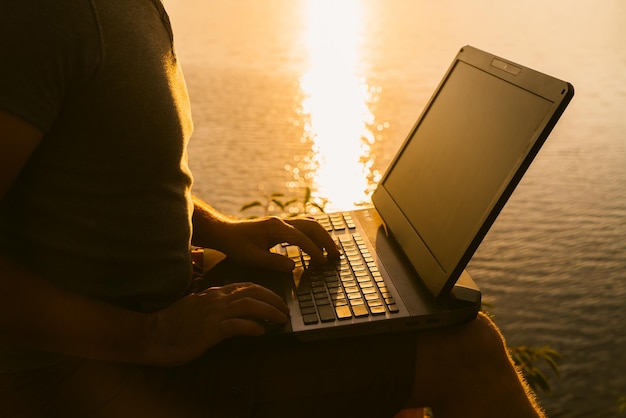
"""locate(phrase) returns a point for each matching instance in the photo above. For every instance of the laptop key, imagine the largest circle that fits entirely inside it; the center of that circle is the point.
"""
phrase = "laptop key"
(367, 284)
(327, 313)
(378, 310)
(308, 311)
(360, 310)
(371, 296)
(304, 288)
(356, 302)
(343, 312)
(351, 289)
(310, 319)
(305, 297)
(322, 301)
(373, 303)
(340, 302)
(307, 304)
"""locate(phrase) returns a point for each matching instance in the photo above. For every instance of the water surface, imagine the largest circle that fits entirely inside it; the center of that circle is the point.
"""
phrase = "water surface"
(289, 94)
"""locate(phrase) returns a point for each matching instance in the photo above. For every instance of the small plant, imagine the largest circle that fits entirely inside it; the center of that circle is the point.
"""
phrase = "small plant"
(527, 358)
(274, 204)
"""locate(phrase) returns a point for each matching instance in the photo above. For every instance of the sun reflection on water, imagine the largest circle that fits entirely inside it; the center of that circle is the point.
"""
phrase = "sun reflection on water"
(336, 106)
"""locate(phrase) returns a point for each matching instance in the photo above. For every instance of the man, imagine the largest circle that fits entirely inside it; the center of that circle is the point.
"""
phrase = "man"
(98, 312)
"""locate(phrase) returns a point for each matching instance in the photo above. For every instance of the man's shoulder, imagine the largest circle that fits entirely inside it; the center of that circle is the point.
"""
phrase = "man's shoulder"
(47, 22)
(45, 12)
(51, 45)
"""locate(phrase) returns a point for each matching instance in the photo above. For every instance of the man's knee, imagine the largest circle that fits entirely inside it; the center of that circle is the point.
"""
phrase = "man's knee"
(454, 355)
(483, 337)
(472, 339)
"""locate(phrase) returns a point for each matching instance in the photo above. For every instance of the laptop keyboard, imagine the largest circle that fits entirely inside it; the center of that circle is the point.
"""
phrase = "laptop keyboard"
(353, 288)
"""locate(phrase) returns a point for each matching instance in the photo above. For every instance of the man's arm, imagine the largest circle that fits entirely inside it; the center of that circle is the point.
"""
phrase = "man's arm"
(36, 314)
(18, 140)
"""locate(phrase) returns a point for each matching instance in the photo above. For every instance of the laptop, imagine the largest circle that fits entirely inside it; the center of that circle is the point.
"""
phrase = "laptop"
(403, 260)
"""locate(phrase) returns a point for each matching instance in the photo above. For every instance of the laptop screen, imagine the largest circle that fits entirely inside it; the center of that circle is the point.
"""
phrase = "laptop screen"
(458, 162)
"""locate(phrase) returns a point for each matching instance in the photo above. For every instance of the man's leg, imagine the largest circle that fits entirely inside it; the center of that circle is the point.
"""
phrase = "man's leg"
(458, 371)
(81, 388)
(357, 377)
(466, 371)
(240, 379)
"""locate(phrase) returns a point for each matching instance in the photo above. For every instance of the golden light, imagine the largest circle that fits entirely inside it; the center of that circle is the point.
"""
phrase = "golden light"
(335, 105)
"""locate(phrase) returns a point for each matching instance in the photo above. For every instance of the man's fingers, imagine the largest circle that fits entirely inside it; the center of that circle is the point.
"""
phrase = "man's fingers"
(257, 292)
(271, 261)
(247, 307)
(249, 300)
(237, 326)
(311, 237)
(231, 288)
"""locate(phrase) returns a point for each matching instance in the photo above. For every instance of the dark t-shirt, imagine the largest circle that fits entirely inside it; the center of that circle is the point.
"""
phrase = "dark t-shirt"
(103, 206)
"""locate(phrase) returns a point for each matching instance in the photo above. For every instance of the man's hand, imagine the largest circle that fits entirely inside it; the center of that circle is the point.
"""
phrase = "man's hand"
(249, 241)
(197, 322)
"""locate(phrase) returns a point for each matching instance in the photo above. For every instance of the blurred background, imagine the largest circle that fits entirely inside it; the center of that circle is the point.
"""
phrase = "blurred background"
(290, 94)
